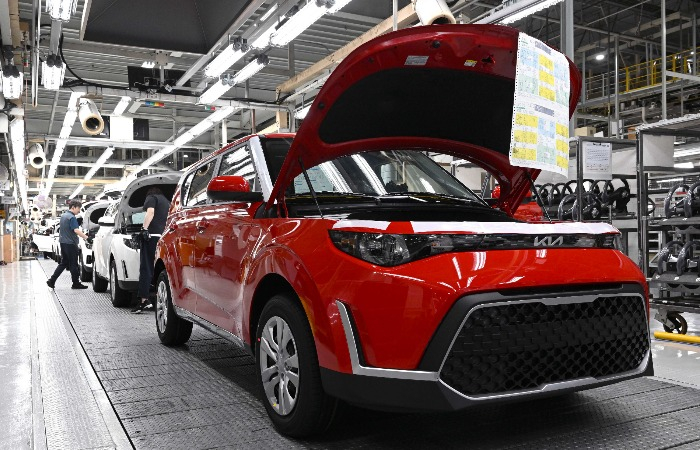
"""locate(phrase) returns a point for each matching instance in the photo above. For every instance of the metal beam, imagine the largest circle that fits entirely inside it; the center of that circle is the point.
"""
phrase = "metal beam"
(404, 17)
(91, 182)
(684, 76)
(151, 145)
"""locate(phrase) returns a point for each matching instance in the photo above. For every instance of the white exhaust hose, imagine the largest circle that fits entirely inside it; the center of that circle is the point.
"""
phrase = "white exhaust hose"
(433, 12)
(36, 156)
(90, 117)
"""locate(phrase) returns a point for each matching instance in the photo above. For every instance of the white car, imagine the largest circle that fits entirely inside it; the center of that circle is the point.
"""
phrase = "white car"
(116, 255)
(55, 245)
(43, 238)
(90, 226)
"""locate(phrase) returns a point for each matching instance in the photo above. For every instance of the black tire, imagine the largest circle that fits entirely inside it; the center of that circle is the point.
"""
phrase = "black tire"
(85, 273)
(99, 284)
(119, 296)
(680, 325)
(312, 410)
(172, 330)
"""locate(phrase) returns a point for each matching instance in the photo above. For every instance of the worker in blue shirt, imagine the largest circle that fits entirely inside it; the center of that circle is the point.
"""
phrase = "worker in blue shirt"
(69, 230)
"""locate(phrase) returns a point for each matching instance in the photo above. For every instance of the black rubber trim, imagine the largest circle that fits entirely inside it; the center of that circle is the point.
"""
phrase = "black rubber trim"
(442, 339)
(129, 285)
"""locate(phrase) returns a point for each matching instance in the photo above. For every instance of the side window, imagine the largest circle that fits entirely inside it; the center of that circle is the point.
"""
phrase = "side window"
(197, 183)
(239, 162)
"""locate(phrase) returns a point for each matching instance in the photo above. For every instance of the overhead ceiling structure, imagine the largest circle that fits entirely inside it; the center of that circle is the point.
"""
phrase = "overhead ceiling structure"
(149, 60)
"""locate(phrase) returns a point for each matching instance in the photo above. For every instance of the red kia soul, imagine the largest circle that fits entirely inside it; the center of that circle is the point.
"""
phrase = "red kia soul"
(354, 268)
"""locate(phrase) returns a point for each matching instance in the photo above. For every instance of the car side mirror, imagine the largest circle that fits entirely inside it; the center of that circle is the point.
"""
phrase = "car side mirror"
(108, 221)
(230, 188)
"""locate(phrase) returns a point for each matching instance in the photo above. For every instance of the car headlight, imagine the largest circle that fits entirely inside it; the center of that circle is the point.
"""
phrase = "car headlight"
(388, 250)
(394, 249)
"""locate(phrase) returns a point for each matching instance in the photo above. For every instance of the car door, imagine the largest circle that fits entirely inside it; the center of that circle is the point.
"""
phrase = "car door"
(102, 242)
(227, 236)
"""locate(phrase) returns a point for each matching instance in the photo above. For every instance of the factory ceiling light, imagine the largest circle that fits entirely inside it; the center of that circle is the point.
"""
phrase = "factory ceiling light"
(61, 9)
(121, 106)
(12, 80)
(228, 57)
(99, 163)
(18, 144)
(225, 83)
(511, 11)
(52, 72)
(308, 14)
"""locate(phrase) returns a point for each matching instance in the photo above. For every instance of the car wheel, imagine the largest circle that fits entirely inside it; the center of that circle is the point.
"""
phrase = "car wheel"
(289, 376)
(172, 330)
(119, 296)
(85, 274)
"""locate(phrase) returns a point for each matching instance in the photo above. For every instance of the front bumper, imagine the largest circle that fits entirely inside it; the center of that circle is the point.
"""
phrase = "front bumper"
(509, 345)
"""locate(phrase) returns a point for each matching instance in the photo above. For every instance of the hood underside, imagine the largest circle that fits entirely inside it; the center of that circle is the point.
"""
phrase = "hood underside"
(443, 88)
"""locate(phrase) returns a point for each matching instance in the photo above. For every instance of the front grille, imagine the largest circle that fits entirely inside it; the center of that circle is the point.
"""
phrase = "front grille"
(520, 346)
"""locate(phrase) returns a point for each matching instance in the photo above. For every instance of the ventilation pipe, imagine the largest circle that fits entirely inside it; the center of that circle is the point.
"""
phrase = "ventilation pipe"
(36, 156)
(90, 117)
(433, 12)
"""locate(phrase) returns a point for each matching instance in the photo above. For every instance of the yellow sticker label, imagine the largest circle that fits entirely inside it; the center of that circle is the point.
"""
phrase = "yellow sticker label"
(547, 93)
(546, 63)
(562, 162)
(562, 130)
(527, 137)
(546, 77)
(562, 146)
(527, 120)
(524, 153)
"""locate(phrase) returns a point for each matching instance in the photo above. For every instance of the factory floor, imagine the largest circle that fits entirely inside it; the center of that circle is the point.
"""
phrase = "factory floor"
(78, 373)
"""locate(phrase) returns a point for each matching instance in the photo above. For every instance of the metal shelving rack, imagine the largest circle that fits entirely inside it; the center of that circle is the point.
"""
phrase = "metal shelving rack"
(676, 293)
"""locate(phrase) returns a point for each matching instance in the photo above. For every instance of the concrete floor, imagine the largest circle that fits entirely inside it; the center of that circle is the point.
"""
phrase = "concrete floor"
(79, 373)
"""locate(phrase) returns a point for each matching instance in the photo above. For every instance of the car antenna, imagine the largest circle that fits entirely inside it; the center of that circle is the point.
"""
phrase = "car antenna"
(311, 188)
(537, 194)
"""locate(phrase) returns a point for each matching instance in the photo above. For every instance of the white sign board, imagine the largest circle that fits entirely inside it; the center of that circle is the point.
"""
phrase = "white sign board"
(14, 212)
(540, 126)
(9, 200)
(597, 160)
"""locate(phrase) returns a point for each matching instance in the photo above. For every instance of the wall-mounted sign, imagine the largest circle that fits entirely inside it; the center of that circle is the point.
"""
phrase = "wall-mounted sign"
(6, 200)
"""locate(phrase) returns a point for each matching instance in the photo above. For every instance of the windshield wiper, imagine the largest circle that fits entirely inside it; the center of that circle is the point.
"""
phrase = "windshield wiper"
(418, 195)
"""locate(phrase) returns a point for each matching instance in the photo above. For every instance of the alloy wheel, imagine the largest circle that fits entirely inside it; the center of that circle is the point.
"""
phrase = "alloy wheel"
(279, 365)
(162, 307)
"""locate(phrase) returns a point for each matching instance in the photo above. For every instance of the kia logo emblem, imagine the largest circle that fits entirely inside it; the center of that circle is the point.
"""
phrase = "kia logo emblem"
(548, 241)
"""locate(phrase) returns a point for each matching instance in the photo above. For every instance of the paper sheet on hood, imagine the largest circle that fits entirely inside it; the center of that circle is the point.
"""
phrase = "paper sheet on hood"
(540, 125)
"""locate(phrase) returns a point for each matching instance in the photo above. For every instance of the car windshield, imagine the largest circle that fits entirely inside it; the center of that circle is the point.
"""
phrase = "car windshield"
(384, 174)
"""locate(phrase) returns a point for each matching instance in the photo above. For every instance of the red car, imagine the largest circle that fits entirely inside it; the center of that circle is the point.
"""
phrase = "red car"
(354, 268)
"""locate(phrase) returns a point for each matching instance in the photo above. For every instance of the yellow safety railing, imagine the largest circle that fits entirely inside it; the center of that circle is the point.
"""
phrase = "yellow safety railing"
(640, 76)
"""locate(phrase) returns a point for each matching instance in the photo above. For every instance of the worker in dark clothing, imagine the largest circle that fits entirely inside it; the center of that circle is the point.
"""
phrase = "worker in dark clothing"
(69, 230)
(156, 206)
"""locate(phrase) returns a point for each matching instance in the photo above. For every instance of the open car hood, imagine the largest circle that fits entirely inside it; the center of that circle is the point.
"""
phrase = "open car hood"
(448, 88)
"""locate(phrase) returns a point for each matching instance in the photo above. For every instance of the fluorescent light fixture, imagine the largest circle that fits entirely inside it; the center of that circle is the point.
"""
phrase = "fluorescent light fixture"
(337, 6)
(12, 80)
(124, 103)
(599, 57)
(684, 165)
(308, 14)
(18, 144)
(148, 64)
(268, 13)
(263, 41)
(214, 92)
(250, 69)
(61, 9)
(221, 114)
(228, 57)
(99, 163)
(77, 191)
(68, 121)
(183, 139)
(513, 10)
(52, 72)
(301, 114)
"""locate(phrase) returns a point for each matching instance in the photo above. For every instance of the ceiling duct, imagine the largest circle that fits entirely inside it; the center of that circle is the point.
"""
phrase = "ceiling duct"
(90, 118)
(433, 12)
(36, 156)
